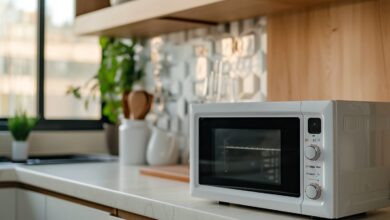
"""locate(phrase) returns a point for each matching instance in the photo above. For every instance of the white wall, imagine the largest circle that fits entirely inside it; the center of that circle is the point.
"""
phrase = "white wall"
(183, 62)
(58, 142)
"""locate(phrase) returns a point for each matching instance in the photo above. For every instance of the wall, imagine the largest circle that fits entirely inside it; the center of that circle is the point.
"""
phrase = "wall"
(182, 66)
(58, 142)
(340, 50)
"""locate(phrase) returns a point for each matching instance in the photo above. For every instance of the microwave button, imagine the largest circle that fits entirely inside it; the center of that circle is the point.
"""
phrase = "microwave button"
(312, 152)
(314, 125)
(313, 191)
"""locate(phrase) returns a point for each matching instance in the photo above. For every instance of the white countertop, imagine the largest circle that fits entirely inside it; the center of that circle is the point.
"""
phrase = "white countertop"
(124, 188)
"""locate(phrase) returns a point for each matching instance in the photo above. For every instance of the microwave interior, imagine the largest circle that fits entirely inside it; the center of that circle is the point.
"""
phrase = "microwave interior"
(251, 154)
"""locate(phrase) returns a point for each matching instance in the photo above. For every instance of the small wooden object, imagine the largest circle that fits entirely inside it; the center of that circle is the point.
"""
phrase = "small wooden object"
(176, 172)
(126, 105)
(140, 104)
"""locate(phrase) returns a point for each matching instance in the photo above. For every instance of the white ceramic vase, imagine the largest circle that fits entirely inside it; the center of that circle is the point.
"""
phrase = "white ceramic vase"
(162, 148)
(19, 150)
(133, 140)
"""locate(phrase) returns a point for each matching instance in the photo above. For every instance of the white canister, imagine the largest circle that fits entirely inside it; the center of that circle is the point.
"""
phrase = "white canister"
(162, 148)
(19, 150)
(133, 140)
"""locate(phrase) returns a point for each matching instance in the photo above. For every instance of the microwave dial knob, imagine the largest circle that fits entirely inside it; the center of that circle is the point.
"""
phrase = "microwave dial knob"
(313, 191)
(312, 152)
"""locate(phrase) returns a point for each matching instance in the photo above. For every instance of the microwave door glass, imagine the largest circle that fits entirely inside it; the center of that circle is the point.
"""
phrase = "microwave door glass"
(251, 155)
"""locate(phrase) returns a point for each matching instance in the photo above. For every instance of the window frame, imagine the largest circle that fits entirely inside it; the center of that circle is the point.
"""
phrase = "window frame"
(43, 123)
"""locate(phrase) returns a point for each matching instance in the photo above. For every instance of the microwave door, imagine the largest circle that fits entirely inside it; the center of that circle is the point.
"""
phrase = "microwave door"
(255, 154)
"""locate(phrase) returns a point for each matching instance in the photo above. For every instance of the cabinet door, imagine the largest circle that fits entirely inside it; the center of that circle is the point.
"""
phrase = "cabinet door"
(29, 205)
(7, 203)
(57, 209)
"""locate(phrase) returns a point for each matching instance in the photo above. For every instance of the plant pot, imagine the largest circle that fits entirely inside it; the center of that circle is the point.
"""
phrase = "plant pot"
(111, 133)
(19, 150)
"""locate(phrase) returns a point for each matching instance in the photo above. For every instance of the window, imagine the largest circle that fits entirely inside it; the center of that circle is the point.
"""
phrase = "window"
(40, 58)
(69, 60)
(18, 57)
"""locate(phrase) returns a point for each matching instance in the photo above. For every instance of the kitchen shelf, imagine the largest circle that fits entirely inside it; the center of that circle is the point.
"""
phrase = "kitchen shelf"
(147, 18)
(231, 10)
(142, 18)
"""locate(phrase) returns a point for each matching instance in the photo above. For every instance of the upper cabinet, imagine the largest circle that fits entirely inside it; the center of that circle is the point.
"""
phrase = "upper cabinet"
(142, 18)
(147, 18)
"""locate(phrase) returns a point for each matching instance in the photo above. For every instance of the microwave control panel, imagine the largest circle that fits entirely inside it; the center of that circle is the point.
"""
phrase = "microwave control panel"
(313, 158)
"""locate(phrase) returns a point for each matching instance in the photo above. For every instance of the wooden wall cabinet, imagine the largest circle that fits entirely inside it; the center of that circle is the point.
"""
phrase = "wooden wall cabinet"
(340, 50)
(148, 18)
(85, 6)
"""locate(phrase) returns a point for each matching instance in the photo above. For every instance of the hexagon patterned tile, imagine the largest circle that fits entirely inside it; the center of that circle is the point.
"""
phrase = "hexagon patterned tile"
(184, 62)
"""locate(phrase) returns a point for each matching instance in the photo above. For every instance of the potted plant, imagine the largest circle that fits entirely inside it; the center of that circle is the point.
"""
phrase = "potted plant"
(120, 69)
(20, 127)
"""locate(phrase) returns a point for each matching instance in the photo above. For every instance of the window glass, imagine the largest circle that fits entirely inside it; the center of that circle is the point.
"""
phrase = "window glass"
(18, 42)
(69, 61)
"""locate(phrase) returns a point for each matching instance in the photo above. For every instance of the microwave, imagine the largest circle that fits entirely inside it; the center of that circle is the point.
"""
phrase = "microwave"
(327, 159)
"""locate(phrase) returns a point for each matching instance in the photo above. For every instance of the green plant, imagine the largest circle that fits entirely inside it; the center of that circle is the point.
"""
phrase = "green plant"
(21, 125)
(120, 68)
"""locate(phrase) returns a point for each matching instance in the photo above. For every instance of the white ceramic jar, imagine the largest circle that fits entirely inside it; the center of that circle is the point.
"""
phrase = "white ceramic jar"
(162, 148)
(133, 140)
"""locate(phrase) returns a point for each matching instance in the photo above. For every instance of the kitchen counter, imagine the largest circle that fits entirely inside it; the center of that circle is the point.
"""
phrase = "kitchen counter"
(122, 187)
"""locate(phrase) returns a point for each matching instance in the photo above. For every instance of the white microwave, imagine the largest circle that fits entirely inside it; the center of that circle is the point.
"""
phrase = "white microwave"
(326, 159)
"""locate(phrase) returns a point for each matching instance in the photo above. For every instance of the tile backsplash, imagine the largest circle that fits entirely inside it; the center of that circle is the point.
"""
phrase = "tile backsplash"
(226, 63)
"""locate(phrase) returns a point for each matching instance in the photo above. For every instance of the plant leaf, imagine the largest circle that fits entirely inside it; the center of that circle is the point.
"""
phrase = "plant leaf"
(21, 125)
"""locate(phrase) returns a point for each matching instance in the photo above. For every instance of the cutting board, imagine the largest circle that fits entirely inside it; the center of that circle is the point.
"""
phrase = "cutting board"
(177, 172)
